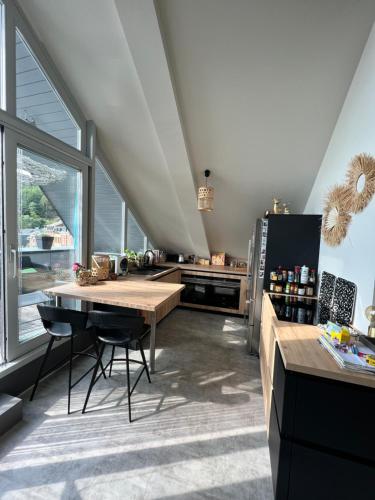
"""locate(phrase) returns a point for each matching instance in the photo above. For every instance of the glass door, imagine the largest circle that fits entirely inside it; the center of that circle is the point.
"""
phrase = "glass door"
(43, 235)
(2, 324)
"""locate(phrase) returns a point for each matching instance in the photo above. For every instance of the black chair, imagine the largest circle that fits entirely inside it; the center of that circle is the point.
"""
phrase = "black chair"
(118, 330)
(63, 323)
(124, 311)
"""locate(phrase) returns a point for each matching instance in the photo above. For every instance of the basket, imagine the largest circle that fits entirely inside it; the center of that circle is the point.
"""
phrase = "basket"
(100, 273)
(83, 278)
(101, 265)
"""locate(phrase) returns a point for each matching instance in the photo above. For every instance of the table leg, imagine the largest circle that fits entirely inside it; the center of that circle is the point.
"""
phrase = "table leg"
(152, 342)
(58, 301)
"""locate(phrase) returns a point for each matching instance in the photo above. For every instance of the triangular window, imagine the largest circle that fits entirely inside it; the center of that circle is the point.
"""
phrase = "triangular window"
(37, 101)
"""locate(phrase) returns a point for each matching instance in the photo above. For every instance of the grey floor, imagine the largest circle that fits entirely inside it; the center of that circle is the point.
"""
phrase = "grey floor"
(199, 430)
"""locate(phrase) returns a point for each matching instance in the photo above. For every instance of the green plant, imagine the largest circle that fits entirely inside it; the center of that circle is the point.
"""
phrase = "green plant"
(36, 210)
(131, 255)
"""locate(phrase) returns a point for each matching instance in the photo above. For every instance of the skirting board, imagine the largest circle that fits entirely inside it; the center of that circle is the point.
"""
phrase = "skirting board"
(10, 412)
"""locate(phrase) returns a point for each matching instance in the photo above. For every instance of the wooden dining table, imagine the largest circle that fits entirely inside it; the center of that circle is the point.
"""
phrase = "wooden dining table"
(155, 300)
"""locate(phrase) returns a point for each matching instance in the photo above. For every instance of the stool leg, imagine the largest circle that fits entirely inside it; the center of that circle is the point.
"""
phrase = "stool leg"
(113, 355)
(144, 360)
(97, 356)
(70, 371)
(128, 381)
(93, 378)
(49, 347)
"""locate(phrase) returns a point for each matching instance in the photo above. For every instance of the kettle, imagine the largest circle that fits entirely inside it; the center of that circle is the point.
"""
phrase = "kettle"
(181, 258)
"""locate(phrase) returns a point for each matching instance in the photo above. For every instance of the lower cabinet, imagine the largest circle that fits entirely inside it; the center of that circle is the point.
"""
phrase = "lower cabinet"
(173, 277)
(320, 445)
(316, 475)
(280, 450)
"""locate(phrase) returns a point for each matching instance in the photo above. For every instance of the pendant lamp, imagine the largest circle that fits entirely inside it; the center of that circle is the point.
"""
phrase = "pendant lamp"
(206, 195)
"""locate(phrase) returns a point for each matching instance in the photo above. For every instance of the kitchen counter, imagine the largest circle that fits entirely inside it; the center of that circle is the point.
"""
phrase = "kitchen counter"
(176, 273)
(213, 269)
(301, 352)
(314, 410)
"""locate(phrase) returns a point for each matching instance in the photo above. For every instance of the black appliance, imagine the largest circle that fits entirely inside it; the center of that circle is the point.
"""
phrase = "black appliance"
(286, 240)
(211, 291)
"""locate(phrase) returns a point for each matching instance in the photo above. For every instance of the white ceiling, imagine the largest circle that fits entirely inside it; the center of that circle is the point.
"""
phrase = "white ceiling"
(258, 85)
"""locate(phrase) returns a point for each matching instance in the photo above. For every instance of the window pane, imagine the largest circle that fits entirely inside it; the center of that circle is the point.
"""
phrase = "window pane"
(49, 232)
(1, 54)
(37, 102)
(136, 237)
(2, 343)
(109, 224)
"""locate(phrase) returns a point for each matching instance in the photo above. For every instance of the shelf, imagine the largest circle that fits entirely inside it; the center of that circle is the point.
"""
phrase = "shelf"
(313, 297)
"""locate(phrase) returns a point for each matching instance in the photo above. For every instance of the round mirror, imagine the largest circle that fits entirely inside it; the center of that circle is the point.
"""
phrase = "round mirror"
(361, 182)
(332, 218)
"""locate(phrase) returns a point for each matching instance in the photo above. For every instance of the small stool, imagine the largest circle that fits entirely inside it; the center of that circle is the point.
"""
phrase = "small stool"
(118, 330)
(63, 323)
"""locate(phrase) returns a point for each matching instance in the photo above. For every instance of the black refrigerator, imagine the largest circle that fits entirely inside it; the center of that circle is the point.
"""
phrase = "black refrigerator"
(279, 240)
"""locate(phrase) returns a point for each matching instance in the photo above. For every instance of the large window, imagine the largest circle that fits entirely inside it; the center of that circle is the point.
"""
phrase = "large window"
(49, 232)
(44, 192)
(2, 34)
(37, 101)
(136, 238)
(109, 210)
(2, 343)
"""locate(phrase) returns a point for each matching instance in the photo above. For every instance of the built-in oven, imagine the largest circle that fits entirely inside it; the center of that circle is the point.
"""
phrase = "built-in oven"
(210, 291)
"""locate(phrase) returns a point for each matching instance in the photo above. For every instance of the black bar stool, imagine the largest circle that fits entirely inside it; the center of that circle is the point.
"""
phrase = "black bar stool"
(125, 311)
(118, 330)
(63, 323)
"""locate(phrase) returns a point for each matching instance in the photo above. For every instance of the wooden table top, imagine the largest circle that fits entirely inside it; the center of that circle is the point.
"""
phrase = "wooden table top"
(141, 294)
(301, 352)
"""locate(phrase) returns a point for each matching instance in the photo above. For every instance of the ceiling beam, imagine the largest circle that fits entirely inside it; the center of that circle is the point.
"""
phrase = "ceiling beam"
(141, 29)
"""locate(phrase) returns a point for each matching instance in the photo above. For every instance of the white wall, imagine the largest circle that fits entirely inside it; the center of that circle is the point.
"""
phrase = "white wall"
(354, 133)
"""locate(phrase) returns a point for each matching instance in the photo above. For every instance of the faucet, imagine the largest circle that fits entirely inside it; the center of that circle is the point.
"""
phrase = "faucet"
(148, 260)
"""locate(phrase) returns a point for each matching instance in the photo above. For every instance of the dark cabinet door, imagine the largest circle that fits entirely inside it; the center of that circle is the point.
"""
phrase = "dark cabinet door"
(332, 415)
(279, 456)
(315, 475)
(284, 386)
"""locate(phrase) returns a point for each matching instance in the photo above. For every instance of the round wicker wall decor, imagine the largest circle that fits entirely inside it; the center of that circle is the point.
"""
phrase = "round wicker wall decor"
(361, 182)
(336, 218)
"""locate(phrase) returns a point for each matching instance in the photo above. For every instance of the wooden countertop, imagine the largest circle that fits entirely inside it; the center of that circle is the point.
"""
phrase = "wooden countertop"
(136, 294)
(301, 352)
(212, 269)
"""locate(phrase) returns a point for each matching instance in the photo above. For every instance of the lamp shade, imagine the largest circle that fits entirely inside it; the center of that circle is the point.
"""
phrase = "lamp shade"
(206, 196)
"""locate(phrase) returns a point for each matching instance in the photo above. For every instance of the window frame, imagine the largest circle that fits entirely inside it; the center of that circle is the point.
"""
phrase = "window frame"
(13, 139)
(15, 19)
(126, 204)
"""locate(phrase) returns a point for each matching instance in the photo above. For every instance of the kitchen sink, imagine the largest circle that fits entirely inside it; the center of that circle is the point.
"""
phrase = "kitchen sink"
(149, 271)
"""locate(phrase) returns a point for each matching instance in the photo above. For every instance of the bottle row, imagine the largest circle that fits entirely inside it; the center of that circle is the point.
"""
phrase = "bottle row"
(299, 281)
(292, 309)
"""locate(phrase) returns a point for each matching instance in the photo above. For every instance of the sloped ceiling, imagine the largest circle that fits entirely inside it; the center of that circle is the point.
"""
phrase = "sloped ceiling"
(248, 88)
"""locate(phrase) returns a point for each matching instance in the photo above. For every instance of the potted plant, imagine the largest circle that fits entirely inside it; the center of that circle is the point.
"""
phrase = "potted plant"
(132, 258)
(44, 240)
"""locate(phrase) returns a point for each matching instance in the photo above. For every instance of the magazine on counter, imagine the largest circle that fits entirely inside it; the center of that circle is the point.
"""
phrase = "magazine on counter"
(348, 359)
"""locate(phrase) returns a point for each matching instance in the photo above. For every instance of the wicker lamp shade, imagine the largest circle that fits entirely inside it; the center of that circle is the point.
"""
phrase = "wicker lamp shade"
(206, 196)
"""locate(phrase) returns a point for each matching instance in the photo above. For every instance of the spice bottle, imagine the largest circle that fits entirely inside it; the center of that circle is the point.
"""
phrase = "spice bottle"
(304, 275)
(297, 270)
